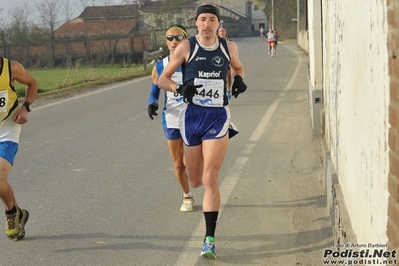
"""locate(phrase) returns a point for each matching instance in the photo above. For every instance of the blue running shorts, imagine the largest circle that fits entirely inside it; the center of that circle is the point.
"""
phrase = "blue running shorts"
(172, 133)
(198, 123)
(8, 150)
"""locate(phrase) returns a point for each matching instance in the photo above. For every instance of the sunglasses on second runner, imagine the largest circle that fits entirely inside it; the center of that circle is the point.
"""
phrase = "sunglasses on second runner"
(176, 37)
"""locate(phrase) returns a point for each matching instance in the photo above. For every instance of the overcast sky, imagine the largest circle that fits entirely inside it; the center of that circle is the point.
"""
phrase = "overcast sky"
(76, 6)
(6, 6)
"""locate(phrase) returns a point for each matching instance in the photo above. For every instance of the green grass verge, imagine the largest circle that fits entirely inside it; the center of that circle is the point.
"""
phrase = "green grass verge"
(51, 80)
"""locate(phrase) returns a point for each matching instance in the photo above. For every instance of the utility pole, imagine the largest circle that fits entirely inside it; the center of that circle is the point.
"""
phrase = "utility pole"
(298, 14)
(272, 14)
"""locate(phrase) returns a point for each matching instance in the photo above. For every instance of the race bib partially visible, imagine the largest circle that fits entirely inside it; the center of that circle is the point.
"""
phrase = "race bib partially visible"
(3, 101)
(174, 96)
(210, 94)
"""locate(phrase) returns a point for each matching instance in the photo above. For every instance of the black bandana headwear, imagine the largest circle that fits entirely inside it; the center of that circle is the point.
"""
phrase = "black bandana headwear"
(208, 9)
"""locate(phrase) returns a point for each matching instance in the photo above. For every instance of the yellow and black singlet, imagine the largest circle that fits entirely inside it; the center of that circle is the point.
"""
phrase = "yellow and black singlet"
(8, 95)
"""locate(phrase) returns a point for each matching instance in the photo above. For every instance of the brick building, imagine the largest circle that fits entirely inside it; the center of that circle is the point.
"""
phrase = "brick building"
(103, 30)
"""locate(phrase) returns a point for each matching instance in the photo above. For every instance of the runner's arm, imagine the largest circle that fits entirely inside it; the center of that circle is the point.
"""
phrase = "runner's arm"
(179, 57)
(154, 94)
(235, 63)
(20, 74)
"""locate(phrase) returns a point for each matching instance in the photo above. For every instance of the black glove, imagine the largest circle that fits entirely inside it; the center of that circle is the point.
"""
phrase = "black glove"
(188, 91)
(238, 86)
(151, 109)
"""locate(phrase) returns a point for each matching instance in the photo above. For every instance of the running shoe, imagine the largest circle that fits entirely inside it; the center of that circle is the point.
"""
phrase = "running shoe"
(15, 227)
(208, 249)
(187, 205)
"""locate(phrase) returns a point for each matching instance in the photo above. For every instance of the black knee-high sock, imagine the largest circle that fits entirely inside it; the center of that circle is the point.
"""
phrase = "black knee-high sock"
(210, 222)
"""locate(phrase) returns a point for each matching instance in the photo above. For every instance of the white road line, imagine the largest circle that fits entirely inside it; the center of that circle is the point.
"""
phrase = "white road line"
(191, 253)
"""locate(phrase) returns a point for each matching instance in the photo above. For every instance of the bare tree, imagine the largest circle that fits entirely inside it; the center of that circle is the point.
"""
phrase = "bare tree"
(66, 10)
(106, 2)
(19, 21)
(5, 33)
(49, 11)
(19, 33)
(86, 3)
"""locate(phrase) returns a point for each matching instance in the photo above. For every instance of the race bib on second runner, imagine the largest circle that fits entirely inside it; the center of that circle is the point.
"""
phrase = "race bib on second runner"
(174, 96)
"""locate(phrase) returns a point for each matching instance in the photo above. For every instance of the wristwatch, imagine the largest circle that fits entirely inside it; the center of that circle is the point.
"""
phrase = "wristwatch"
(177, 88)
(28, 106)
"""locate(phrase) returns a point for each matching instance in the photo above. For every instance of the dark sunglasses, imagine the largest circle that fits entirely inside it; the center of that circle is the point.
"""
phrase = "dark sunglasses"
(176, 37)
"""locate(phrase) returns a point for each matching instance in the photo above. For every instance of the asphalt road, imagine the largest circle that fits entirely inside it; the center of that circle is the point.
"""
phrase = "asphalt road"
(97, 178)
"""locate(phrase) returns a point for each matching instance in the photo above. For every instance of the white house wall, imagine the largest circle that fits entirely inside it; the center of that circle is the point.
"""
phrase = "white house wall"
(356, 98)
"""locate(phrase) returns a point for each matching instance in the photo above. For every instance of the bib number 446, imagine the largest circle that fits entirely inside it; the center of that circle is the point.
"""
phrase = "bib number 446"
(209, 93)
